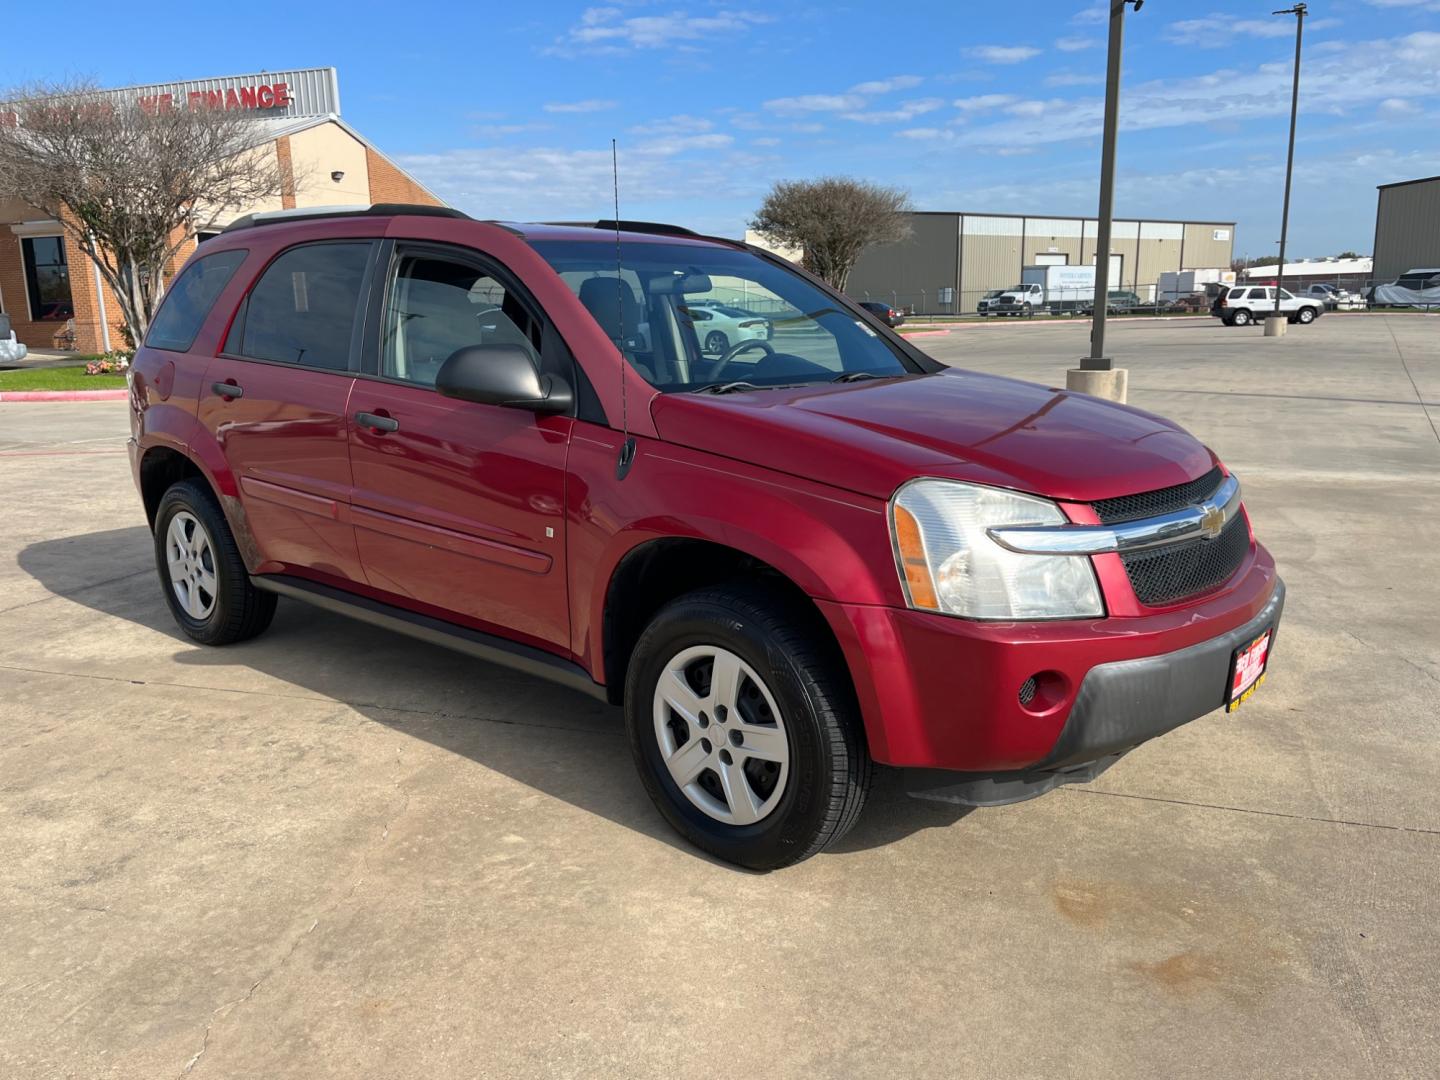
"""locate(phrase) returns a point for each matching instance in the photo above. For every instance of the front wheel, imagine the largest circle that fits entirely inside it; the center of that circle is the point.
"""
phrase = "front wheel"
(1240, 318)
(744, 727)
(204, 579)
(1028, 311)
(1305, 316)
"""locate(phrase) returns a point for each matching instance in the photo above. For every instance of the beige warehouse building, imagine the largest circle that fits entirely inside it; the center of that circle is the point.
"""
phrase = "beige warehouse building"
(952, 259)
(1407, 228)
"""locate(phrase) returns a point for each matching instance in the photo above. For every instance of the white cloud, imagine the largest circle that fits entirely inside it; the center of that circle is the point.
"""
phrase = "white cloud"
(1357, 75)
(1002, 54)
(1098, 12)
(983, 101)
(926, 134)
(609, 30)
(1399, 107)
(1421, 5)
(539, 183)
(906, 110)
(1220, 33)
(766, 141)
(1076, 44)
(674, 125)
(1075, 78)
(591, 105)
(1027, 108)
(811, 103)
(885, 86)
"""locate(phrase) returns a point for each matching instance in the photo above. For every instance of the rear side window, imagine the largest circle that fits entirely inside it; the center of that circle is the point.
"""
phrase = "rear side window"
(190, 299)
(304, 307)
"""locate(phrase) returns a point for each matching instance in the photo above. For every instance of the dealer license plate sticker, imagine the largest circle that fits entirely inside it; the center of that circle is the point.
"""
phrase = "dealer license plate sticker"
(1247, 671)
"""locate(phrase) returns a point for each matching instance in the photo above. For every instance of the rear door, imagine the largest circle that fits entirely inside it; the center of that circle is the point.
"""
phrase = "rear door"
(458, 506)
(275, 400)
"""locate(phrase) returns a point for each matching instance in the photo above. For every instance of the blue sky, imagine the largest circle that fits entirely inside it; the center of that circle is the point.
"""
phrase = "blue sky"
(507, 110)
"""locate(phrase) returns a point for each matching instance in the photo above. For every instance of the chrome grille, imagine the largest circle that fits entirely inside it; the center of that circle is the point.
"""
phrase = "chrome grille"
(1166, 575)
(1160, 501)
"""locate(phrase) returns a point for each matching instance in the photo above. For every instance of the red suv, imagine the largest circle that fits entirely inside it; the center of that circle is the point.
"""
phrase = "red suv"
(811, 552)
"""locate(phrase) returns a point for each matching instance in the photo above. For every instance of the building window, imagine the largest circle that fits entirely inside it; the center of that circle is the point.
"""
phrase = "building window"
(47, 277)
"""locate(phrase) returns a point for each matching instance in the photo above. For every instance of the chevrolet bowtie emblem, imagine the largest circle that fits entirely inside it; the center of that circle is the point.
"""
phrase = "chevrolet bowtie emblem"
(1212, 520)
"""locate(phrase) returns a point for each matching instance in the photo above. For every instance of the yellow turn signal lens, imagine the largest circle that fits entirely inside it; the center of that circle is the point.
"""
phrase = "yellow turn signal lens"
(911, 547)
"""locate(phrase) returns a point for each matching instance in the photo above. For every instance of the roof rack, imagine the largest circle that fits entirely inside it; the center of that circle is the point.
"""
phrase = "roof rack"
(655, 227)
(312, 213)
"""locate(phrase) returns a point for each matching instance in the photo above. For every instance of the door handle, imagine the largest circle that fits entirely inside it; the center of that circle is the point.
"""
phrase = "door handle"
(228, 390)
(376, 422)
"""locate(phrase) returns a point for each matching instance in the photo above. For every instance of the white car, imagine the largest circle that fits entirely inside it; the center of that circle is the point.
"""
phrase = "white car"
(720, 326)
(1244, 304)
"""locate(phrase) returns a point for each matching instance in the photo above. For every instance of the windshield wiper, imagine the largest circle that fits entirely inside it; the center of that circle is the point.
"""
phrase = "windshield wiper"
(856, 376)
(727, 387)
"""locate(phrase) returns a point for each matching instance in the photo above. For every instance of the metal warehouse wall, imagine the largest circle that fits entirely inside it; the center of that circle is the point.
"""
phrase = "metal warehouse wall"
(975, 253)
(1407, 228)
(923, 264)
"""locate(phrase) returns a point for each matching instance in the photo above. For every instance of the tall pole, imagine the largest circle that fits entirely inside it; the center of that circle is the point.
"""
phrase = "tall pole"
(1097, 360)
(1299, 11)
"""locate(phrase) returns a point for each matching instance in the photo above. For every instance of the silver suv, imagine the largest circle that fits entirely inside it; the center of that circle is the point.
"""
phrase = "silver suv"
(1243, 304)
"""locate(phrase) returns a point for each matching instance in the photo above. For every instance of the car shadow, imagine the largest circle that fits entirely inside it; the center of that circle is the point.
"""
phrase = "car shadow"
(562, 743)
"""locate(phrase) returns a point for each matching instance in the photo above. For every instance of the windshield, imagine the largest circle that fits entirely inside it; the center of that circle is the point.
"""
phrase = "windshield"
(774, 327)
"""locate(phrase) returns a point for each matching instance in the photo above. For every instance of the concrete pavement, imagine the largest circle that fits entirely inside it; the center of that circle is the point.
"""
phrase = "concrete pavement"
(336, 852)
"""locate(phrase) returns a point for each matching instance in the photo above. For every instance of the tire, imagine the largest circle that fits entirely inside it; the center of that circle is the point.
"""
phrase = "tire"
(1027, 312)
(1240, 318)
(191, 530)
(716, 342)
(806, 786)
(1305, 316)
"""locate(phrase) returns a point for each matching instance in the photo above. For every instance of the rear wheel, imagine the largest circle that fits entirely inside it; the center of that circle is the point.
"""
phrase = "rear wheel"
(744, 727)
(1240, 318)
(716, 342)
(204, 579)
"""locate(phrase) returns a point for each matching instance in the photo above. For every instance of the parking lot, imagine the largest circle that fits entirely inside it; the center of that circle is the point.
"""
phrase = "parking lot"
(336, 852)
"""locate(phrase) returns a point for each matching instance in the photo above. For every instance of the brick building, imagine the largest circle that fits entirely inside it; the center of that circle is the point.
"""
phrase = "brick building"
(56, 299)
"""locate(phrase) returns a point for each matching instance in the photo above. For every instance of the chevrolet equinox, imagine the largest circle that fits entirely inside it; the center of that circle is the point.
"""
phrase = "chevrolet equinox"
(790, 558)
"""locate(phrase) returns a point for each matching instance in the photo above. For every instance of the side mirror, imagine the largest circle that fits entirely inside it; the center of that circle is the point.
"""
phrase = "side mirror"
(502, 375)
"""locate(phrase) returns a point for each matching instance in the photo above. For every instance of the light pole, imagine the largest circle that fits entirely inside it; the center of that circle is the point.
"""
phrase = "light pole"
(1112, 383)
(1299, 11)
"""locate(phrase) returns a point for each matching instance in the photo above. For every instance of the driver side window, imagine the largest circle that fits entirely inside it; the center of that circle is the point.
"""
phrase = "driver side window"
(437, 306)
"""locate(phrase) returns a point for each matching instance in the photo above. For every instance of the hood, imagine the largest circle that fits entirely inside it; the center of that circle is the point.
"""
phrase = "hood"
(870, 437)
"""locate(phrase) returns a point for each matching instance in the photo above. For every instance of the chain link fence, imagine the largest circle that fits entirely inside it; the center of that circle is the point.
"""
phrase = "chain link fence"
(1422, 294)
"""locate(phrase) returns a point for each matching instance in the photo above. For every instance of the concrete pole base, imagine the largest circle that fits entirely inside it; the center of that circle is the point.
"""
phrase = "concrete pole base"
(1111, 384)
(1275, 325)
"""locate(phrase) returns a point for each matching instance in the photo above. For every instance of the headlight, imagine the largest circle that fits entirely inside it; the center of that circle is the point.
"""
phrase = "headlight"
(948, 564)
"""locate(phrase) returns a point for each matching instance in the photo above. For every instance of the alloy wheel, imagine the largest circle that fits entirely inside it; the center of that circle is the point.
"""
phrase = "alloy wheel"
(721, 735)
(191, 561)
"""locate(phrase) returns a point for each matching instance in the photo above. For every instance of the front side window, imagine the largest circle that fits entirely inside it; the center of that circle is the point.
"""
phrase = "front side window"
(190, 299)
(691, 316)
(47, 278)
(303, 308)
(438, 306)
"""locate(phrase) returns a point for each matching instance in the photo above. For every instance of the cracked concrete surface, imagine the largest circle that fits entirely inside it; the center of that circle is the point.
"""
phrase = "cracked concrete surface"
(334, 852)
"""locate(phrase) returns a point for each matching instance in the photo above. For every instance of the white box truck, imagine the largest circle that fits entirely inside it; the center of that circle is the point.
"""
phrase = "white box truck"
(1054, 289)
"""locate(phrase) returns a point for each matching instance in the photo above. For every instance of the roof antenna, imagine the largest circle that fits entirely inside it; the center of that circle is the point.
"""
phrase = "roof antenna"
(627, 446)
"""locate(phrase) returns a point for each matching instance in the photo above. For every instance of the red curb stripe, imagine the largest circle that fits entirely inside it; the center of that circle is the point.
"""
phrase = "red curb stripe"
(63, 395)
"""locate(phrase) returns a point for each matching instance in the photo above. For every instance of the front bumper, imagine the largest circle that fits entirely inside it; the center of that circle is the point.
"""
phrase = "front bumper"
(944, 693)
(1119, 706)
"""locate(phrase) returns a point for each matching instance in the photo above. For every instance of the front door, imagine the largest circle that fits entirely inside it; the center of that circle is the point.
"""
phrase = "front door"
(276, 401)
(458, 507)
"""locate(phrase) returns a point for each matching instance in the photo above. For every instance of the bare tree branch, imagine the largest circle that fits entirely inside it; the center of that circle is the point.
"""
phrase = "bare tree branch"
(128, 183)
(833, 220)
